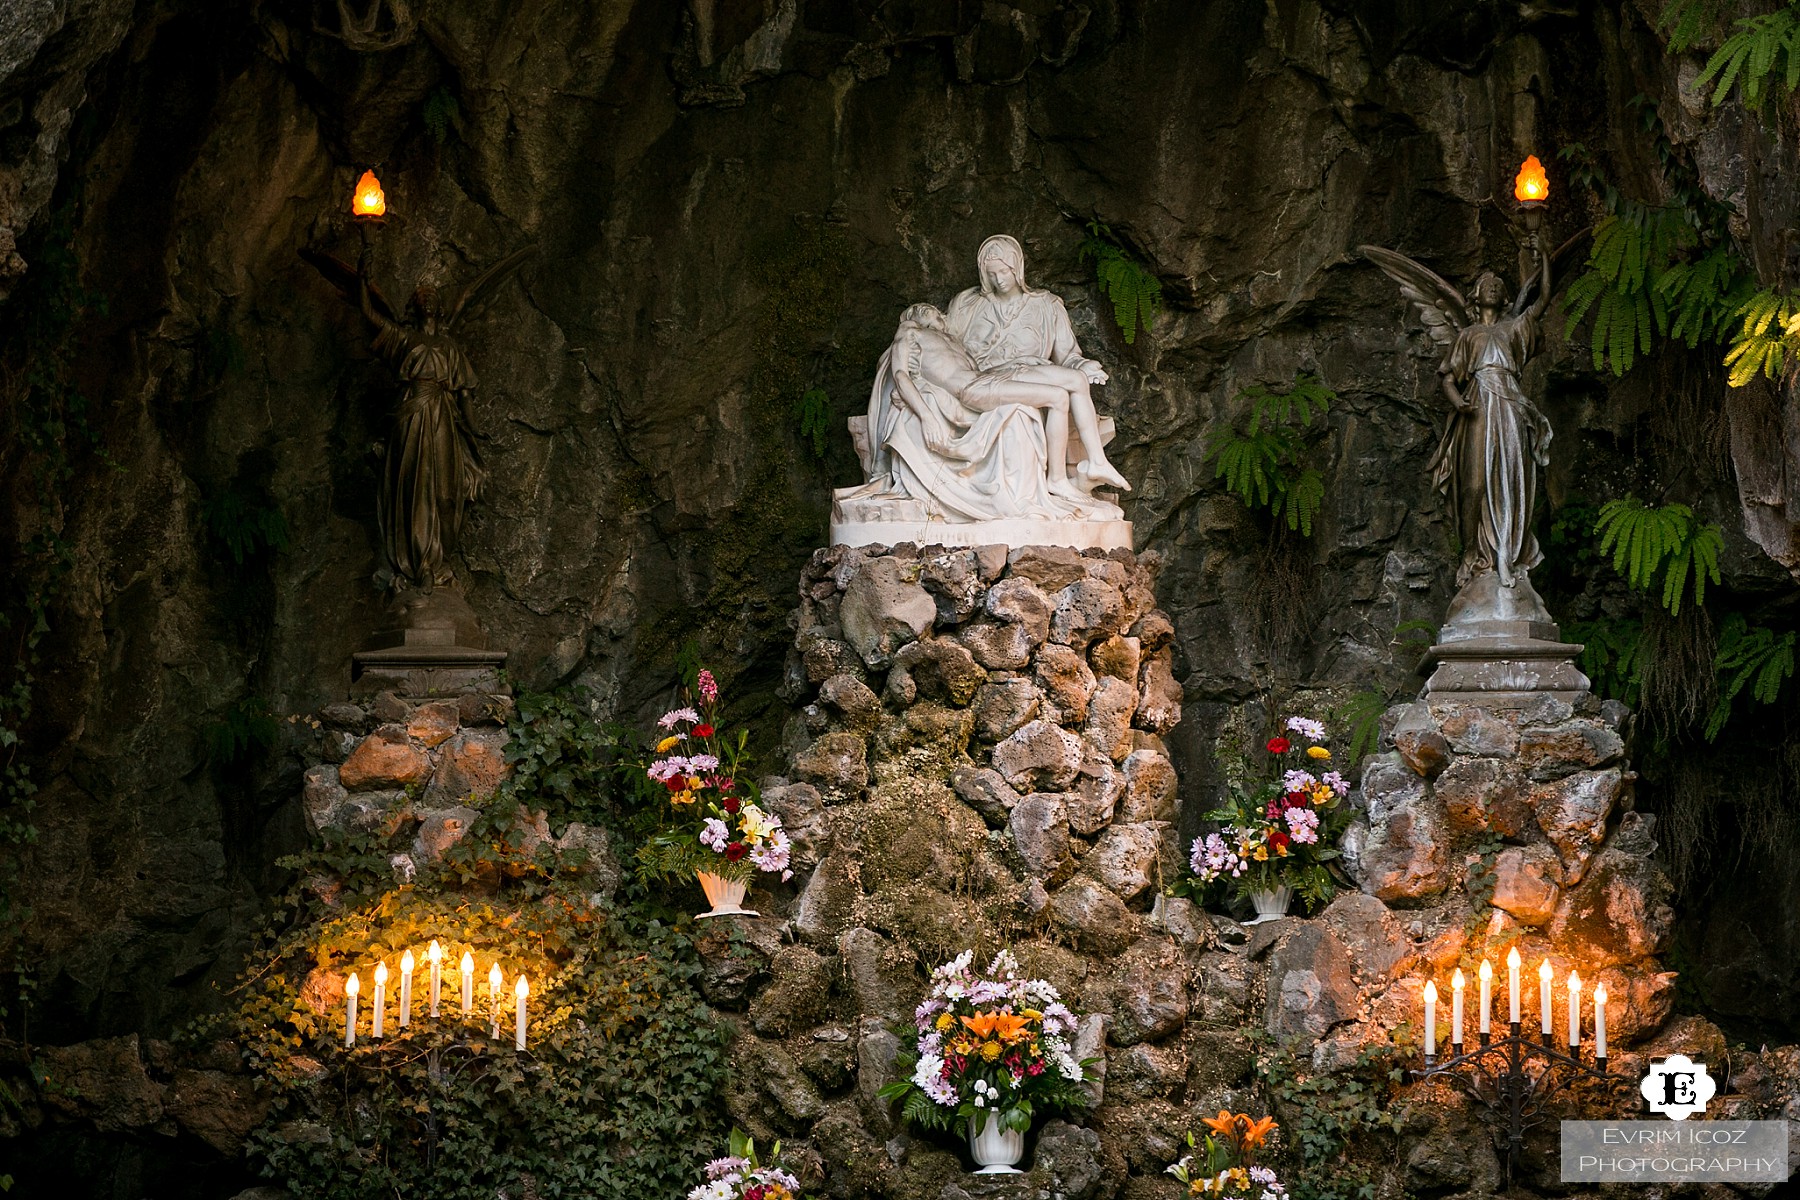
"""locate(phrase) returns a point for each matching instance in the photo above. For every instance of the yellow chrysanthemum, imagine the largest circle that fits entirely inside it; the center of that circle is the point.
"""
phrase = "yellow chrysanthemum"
(1317, 752)
(667, 744)
(945, 1022)
(990, 1050)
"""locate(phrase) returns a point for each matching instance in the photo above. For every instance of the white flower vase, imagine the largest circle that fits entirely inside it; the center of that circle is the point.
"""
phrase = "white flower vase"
(725, 895)
(995, 1149)
(1270, 905)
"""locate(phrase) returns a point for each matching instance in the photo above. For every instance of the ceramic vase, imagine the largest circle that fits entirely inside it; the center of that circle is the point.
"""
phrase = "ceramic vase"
(995, 1150)
(1270, 905)
(725, 895)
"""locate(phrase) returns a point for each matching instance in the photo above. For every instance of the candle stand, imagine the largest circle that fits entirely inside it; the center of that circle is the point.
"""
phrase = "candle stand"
(1495, 1073)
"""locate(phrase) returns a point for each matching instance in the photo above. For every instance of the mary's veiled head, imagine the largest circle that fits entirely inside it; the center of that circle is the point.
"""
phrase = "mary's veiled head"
(998, 253)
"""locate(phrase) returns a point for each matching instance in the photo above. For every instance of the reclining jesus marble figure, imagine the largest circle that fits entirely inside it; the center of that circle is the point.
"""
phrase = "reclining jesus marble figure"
(967, 437)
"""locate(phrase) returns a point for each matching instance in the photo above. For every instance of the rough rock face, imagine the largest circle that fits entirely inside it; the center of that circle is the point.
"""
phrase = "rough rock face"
(731, 204)
(1524, 818)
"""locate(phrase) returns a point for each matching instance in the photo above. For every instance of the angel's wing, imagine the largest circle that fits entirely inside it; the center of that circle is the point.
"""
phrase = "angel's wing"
(345, 279)
(1440, 305)
(1563, 262)
(481, 288)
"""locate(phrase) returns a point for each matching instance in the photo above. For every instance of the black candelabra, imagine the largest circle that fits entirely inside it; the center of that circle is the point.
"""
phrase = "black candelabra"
(1495, 1073)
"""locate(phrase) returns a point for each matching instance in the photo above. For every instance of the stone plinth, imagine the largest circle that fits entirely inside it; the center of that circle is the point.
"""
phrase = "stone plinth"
(1499, 649)
(846, 530)
(432, 645)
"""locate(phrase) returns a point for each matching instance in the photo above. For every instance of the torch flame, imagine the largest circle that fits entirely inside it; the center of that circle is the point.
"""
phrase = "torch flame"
(1532, 185)
(369, 200)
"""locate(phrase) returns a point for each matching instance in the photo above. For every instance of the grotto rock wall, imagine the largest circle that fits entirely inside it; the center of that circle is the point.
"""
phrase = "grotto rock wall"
(732, 203)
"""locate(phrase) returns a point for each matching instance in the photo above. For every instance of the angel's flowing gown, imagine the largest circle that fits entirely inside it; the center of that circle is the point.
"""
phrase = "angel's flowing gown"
(1488, 461)
(432, 468)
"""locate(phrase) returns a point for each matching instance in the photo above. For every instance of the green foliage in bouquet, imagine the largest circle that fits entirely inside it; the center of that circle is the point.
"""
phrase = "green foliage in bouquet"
(1280, 833)
(696, 781)
(993, 1043)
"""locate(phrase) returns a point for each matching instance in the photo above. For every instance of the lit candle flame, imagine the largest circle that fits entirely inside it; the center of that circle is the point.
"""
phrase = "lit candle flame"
(1599, 993)
(406, 963)
(1512, 959)
(1487, 971)
(369, 200)
(520, 989)
(1532, 185)
(1456, 980)
(351, 986)
(494, 977)
(1431, 991)
(381, 972)
(1574, 981)
(1544, 972)
(468, 963)
(434, 952)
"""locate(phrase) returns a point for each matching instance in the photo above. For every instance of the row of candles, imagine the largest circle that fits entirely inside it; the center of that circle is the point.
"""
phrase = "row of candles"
(1514, 992)
(496, 993)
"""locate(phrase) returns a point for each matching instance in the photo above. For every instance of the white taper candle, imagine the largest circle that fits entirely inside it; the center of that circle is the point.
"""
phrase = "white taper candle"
(406, 972)
(351, 987)
(1456, 1013)
(1574, 1010)
(520, 990)
(380, 997)
(468, 974)
(1599, 1020)
(434, 952)
(1546, 996)
(1430, 1018)
(495, 979)
(1512, 985)
(1487, 994)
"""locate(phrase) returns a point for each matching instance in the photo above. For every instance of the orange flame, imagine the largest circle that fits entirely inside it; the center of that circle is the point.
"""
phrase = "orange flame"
(369, 200)
(1532, 184)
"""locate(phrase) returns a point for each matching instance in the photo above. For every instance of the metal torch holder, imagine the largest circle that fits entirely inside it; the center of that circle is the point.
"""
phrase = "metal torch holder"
(1494, 1073)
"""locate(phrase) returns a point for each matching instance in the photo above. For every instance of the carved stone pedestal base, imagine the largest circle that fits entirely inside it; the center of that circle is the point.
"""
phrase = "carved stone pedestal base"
(1500, 649)
(433, 646)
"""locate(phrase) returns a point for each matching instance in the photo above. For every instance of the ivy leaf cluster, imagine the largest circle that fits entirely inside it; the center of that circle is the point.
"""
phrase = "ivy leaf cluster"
(1264, 464)
(1135, 291)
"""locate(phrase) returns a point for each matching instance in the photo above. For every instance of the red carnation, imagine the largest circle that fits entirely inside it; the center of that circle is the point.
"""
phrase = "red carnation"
(1294, 800)
(1279, 745)
(735, 851)
(731, 804)
(675, 783)
(704, 731)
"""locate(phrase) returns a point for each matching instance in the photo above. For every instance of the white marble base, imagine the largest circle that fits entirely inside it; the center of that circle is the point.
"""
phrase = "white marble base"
(1011, 532)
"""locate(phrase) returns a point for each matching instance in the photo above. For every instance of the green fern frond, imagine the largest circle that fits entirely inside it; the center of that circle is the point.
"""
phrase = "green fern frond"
(1135, 291)
(1767, 339)
(1753, 656)
(1262, 466)
(1648, 544)
(1687, 21)
(1761, 47)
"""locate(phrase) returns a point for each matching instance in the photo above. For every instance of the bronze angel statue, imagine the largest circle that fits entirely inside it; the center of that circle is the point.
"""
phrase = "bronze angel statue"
(1496, 440)
(431, 466)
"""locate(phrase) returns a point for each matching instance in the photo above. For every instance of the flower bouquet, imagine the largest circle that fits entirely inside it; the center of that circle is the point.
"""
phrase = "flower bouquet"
(741, 1177)
(1224, 1165)
(1277, 836)
(986, 1053)
(711, 824)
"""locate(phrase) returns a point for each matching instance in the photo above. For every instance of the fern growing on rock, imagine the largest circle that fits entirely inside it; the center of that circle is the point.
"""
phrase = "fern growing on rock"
(1664, 544)
(1264, 465)
(1750, 656)
(1135, 291)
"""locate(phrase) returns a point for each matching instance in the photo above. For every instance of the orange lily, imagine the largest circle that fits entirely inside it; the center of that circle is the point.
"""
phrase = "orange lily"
(982, 1024)
(1225, 1125)
(1256, 1131)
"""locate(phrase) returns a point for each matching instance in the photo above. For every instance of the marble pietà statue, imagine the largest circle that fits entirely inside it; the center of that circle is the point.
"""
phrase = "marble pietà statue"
(982, 427)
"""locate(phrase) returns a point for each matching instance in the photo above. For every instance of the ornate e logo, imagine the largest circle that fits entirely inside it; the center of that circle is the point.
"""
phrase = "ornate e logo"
(1677, 1087)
